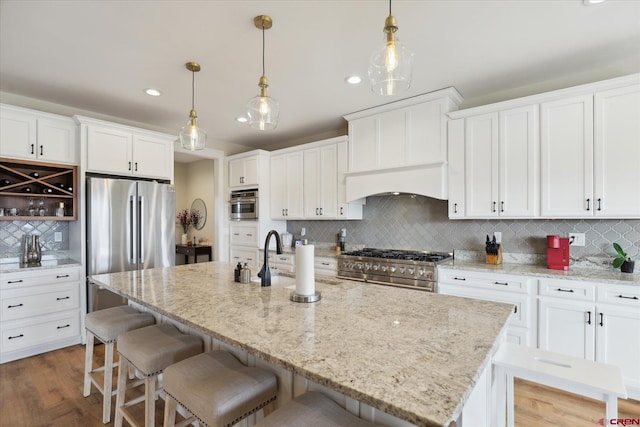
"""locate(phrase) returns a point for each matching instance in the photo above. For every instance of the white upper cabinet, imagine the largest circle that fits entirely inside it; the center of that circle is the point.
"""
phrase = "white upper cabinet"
(244, 172)
(501, 164)
(617, 153)
(125, 151)
(590, 155)
(456, 169)
(346, 210)
(287, 186)
(567, 157)
(27, 134)
(321, 182)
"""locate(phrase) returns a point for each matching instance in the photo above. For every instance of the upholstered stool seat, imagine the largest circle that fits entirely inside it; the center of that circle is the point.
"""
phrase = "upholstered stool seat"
(313, 409)
(106, 325)
(150, 350)
(216, 389)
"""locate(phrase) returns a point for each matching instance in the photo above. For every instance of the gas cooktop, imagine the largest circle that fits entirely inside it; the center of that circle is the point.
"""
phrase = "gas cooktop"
(413, 269)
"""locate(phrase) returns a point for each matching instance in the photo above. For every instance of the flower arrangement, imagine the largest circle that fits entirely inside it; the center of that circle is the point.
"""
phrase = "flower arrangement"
(184, 218)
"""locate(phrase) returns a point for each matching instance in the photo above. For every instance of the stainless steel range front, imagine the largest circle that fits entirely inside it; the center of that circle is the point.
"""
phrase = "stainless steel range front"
(410, 269)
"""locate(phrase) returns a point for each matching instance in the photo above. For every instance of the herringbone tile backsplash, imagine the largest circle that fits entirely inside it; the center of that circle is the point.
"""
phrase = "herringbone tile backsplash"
(421, 223)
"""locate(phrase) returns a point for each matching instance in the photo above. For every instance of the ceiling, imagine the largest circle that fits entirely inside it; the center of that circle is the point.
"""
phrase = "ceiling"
(98, 56)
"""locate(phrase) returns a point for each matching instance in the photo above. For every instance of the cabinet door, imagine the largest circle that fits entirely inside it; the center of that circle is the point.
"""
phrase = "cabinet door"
(57, 141)
(312, 183)
(618, 340)
(456, 168)
(481, 168)
(364, 135)
(329, 181)
(278, 187)
(242, 255)
(294, 185)
(18, 135)
(617, 153)
(251, 167)
(566, 147)
(518, 162)
(152, 157)
(243, 171)
(109, 151)
(346, 210)
(236, 172)
(567, 327)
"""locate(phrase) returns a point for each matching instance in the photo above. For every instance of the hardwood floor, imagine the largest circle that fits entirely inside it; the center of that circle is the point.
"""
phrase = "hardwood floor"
(46, 391)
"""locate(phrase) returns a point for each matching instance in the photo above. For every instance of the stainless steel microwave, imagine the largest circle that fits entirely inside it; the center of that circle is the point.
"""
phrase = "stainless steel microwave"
(243, 205)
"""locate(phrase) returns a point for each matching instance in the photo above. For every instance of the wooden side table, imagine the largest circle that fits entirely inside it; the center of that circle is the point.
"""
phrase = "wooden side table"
(194, 251)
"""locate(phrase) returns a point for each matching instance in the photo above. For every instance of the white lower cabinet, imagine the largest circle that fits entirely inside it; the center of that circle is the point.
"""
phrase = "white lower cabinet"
(284, 262)
(594, 321)
(510, 289)
(40, 311)
(244, 255)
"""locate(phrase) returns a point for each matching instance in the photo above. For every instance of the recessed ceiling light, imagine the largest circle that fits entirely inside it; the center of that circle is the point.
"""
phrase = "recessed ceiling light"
(241, 119)
(592, 2)
(353, 79)
(152, 92)
(395, 193)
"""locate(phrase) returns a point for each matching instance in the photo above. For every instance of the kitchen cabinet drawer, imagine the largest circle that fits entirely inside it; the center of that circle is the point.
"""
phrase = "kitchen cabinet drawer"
(568, 289)
(242, 255)
(36, 331)
(327, 266)
(619, 295)
(39, 277)
(244, 234)
(499, 282)
(19, 303)
(286, 258)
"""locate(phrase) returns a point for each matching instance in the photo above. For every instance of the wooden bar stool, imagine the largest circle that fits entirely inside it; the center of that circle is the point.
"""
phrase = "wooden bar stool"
(313, 409)
(216, 389)
(150, 350)
(106, 325)
(584, 377)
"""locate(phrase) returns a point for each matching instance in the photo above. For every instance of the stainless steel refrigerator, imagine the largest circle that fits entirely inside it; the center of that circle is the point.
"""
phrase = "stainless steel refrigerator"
(130, 226)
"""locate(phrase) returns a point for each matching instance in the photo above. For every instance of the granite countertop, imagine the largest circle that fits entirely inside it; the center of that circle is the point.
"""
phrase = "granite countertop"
(13, 267)
(412, 354)
(574, 273)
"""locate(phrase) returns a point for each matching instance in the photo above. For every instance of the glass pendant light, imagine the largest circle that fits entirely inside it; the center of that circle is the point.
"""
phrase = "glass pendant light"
(391, 64)
(263, 110)
(193, 137)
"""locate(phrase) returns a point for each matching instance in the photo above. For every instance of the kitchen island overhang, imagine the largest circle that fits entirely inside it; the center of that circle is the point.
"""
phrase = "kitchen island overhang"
(413, 355)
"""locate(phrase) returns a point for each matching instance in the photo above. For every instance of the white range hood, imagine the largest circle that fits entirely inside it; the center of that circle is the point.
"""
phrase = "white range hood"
(401, 147)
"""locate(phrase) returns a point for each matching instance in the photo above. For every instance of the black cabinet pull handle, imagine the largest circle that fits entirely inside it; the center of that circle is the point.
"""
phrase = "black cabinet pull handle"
(625, 297)
(324, 263)
(494, 207)
(341, 210)
(501, 206)
(129, 165)
(136, 166)
(455, 208)
(599, 204)
(601, 319)
(588, 317)
(15, 305)
(588, 206)
(459, 278)
(61, 298)
(321, 211)
(41, 151)
(15, 281)
(32, 147)
(62, 327)
(564, 290)
(316, 211)
(501, 283)
(16, 336)
(286, 212)
(61, 276)
(515, 309)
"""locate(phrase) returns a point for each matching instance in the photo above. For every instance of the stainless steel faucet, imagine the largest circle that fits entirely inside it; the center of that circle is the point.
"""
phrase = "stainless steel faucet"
(265, 274)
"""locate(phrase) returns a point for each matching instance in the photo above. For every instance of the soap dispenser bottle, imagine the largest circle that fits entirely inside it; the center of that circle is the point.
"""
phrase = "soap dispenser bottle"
(245, 274)
(236, 273)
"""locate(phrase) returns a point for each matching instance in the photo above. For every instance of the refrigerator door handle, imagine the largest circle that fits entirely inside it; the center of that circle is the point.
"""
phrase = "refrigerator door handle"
(141, 228)
(132, 257)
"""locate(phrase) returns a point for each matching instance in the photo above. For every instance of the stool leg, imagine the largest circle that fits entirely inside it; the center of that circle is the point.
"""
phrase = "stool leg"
(88, 364)
(169, 411)
(122, 386)
(612, 407)
(108, 381)
(510, 402)
(150, 401)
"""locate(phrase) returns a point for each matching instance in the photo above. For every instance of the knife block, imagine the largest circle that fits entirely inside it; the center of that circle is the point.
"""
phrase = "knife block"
(495, 258)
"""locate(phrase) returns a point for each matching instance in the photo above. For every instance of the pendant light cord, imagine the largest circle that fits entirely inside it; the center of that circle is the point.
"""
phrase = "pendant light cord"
(193, 90)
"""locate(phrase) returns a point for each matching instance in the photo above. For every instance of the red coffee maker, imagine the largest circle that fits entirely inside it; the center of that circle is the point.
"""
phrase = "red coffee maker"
(557, 252)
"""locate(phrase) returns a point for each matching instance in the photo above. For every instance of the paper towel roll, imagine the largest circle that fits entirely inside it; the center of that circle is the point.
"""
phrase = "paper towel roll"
(305, 276)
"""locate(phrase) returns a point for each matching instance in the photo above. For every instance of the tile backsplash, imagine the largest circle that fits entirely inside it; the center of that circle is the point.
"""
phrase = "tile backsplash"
(422, 223)
(11, 233)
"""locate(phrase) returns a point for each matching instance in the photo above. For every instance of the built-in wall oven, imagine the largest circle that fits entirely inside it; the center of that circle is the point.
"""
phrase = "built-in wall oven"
(243, 205)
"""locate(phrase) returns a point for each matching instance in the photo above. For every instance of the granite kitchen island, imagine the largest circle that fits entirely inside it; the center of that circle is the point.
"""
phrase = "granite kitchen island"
(411, 354)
